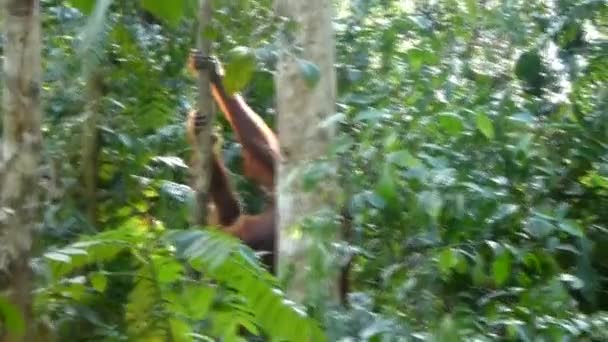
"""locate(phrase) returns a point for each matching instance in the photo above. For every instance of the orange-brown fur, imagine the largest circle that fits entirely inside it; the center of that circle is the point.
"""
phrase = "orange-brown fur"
(260, 153)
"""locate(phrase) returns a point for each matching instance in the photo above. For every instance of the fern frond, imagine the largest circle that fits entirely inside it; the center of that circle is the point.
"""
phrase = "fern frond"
(224, 259)
(91, 249)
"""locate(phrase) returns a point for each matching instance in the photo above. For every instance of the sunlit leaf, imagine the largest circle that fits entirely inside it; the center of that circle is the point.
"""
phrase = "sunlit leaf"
(404, 159)
(170, 11)
(571, 227)
(418, 58)
(501, 268)
(11, 316)
(573, 282)
(479, 273)
(386, 187)
(171, 161)
(447, 261)
(472, 7)
(181, 330)
(431, 202)
(447, 330)
(451, 123)
(539, 227)
(85, 6)
(369, 115)
(57, 256)
(168, 270)
(485, 125)
(239, 69)
(198, 300)
(99, 281)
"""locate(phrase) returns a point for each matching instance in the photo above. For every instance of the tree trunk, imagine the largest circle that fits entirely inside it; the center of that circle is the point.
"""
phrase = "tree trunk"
(19, 167)
(302, 107)
(201, 158)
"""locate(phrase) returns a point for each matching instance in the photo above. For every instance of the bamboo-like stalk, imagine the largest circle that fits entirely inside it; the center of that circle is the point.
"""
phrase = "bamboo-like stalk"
(90, 144)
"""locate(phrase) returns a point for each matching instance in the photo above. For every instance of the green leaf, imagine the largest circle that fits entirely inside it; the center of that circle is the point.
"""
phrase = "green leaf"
(451, 123)
(539, 227)
(431, 202)
(375, 200)
(181, 330)
(369, 115)
(99, 281)
(531, 71)
(168, 270)
(61, 257)
(12, 318)
(75, 291)
(417, 58)
(170, 11)
(447, 261)
(528, 65)
(573, 282)
(386, 187)
(239, 69)
(85, 6)
(472, 7)
(448, 331)
(501, 268)
(479, 275)
(310, 71)
(523, 117)
(485, 125)
(218, 256)
(570, 227)
(404, 158)
(198, 300)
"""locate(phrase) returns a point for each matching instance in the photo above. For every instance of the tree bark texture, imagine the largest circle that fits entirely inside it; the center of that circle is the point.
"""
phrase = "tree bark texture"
(201, 159)
(19, 167)
(302, 108)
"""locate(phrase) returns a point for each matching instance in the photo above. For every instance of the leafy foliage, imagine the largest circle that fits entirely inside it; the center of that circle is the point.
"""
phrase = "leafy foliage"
(475, 220)
(473, 154)
(121, 278)
(228, 262)
(166, 299)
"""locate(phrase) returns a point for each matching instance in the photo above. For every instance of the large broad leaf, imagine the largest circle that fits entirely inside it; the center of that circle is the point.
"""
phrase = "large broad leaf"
(451, 123)
(418, 58)
(431, 202)
(528, 65)
(387, 186)
(539, 227)
(12, 318)
(501, 268)
(239, 69)
(85, 6)
(572, 35)
(485, 125)
(170, 11)
(447, 260)
(224, 259)
(530, 70)
(99, 281)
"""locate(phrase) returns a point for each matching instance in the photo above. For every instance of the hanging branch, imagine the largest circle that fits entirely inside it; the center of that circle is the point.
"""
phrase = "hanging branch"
(202, 149)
